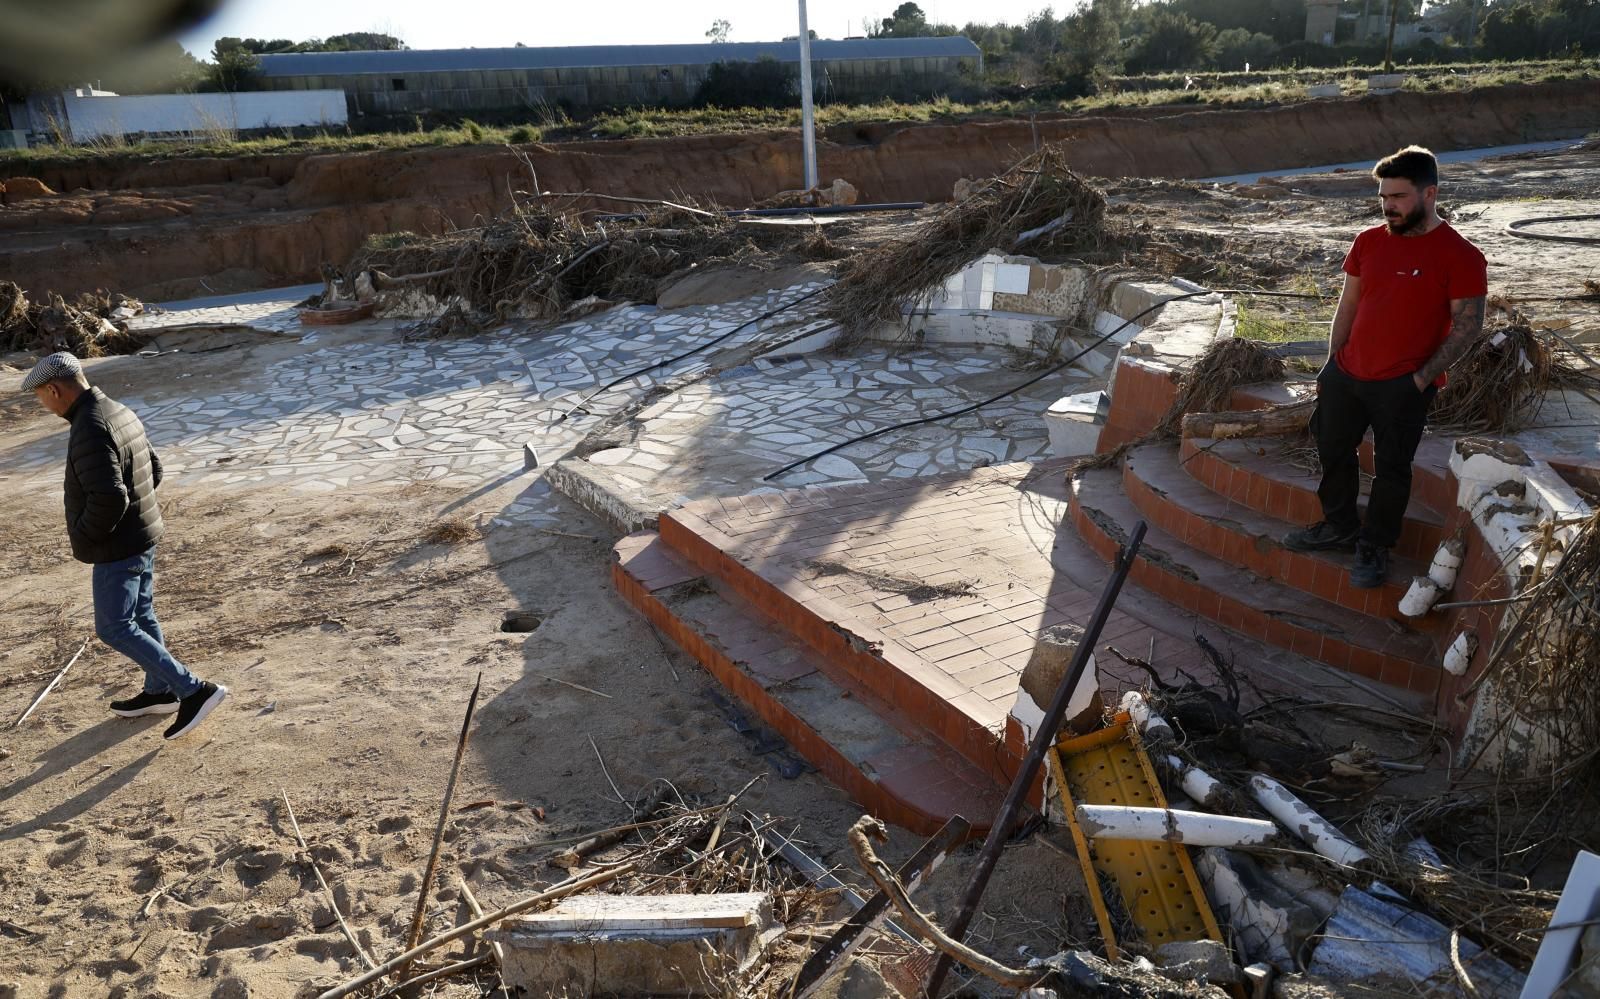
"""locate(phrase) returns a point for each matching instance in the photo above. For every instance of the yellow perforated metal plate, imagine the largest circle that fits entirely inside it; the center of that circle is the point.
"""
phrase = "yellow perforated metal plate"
(1155, 882)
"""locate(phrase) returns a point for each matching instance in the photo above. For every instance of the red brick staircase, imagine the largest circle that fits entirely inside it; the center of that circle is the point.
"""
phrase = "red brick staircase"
(1217, 511)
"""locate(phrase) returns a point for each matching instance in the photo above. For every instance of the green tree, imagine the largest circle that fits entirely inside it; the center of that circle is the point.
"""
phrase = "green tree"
(1511, 32)
(1239, 47)
(719, 30)
(1092, 43)
(1175, 41)
(907, 21)
(233, 66)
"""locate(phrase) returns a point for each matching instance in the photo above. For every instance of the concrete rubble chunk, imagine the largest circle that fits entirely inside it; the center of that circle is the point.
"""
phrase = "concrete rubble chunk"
(1046, 669)
(628, 945)
(1198, 960)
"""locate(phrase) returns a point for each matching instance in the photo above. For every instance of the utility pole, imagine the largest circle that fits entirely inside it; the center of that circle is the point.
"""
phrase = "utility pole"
(1388, 52)
(808, 129)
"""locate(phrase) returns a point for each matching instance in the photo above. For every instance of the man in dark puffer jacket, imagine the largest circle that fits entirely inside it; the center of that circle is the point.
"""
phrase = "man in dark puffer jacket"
(114, 522)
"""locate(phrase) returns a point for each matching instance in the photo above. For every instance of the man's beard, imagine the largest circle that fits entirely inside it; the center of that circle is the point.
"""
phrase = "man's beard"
(1407, 224)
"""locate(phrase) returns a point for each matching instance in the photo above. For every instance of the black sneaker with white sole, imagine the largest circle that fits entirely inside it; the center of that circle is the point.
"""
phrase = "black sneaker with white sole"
(146, 703)
(192, 710)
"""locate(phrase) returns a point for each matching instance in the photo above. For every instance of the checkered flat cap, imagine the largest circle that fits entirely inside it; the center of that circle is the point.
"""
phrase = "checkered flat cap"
(58, 365)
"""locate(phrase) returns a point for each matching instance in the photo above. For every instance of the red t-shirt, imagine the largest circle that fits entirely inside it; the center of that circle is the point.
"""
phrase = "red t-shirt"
(1407, 283)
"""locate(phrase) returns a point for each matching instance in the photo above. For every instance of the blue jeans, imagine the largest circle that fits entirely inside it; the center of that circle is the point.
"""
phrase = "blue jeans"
(125, 619)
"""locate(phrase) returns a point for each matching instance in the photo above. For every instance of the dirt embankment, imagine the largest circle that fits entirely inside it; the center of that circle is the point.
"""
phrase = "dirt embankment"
(157, 229)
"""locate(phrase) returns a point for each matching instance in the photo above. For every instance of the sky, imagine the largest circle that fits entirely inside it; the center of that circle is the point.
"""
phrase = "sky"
(428, 24)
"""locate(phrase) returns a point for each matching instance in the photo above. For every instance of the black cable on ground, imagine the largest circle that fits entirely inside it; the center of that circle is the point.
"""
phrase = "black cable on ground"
(973, 407)
(1518, 227)
(613, 383)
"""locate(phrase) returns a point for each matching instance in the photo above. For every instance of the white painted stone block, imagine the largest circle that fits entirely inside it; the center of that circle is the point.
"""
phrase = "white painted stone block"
(1011, 279)
(1073, 432)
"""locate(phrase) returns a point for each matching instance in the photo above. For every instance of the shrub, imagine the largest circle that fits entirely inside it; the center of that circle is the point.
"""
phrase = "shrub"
(766, 83)
(524, 133)
(473, 130)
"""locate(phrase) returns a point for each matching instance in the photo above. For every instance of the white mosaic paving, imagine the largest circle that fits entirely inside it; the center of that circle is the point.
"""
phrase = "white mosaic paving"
(458, 412)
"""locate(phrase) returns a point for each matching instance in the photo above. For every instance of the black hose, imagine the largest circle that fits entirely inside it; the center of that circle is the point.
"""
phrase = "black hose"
(973, 407)
(1517, 227)
(613, 383)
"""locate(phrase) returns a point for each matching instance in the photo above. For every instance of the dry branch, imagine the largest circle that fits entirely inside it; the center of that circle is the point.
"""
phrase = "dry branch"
(1037, 191)
(333, 903)
(861, 834)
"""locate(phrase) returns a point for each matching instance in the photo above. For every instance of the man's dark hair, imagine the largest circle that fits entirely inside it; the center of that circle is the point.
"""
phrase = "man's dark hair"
(1412, 163)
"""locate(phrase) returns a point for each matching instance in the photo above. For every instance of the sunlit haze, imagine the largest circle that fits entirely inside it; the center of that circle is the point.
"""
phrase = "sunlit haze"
(426, 24)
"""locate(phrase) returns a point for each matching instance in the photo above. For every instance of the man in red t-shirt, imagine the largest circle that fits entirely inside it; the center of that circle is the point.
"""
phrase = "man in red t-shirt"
(1413, 300)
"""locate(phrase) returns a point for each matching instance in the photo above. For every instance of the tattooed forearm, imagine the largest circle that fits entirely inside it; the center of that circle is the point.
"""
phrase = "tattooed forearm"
(1466, 322)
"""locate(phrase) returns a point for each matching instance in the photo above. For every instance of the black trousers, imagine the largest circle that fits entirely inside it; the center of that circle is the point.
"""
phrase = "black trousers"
(1347, 408)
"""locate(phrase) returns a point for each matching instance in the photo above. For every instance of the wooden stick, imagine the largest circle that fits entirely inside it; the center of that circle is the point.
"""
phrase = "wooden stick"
(333, 903)
(631, 201)
(434, 976)
(415, 933)
(50, 686)
(575, 686)
(570, 886)
(607, 771)
(477, 913)
(599, 841)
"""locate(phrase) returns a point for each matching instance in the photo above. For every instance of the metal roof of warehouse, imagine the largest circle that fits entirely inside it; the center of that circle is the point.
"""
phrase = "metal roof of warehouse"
(582, 56)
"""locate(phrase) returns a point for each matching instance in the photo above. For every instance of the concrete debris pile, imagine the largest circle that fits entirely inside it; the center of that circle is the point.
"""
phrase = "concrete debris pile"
(546, 261)
(92, 325)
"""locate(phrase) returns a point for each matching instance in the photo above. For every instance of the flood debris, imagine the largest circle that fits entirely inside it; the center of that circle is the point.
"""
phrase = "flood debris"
(92, 325)
(692, 906)
(1371, 937)
(623, 945)
(546, 261)
(1173, 825)
(1040, 196)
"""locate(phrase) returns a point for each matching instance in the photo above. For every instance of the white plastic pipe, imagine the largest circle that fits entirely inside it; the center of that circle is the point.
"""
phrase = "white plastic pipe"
(1420, 598)
(1172, 825)
(1197, 784)
(1151, 725)
(1303, 821)
(1459, 656)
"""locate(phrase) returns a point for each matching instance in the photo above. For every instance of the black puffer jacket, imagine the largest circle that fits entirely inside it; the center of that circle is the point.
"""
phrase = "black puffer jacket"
(112, 476)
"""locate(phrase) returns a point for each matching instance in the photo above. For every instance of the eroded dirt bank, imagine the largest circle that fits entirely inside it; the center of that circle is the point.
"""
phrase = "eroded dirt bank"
(159, 229)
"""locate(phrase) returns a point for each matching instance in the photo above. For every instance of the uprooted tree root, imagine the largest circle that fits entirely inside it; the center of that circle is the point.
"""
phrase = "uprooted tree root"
(539, 262)
(1040, 196)
(80, 327)
(1500, 383)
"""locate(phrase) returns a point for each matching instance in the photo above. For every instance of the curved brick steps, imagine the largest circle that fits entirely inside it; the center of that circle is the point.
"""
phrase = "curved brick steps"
(896, 770)
(1238, 599)
(1168, 498)
(1239, 470)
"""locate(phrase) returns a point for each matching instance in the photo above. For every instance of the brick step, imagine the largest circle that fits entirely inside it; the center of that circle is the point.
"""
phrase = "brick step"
(1229, 531)
(1253, 473)
(857, 740)
(914, 673)
(1238, 599)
